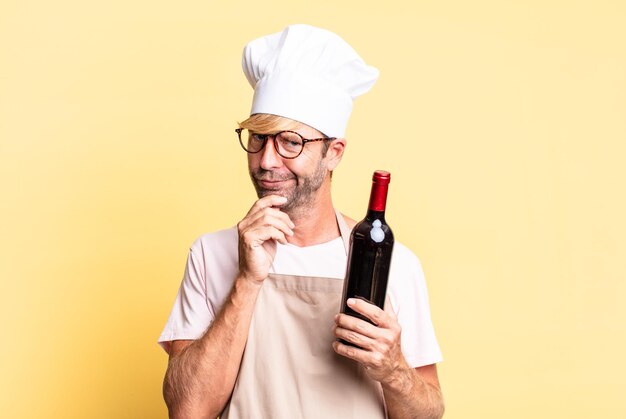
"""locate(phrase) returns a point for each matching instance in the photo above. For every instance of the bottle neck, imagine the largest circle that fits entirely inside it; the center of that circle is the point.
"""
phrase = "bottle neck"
(378, 201)
(375, 215)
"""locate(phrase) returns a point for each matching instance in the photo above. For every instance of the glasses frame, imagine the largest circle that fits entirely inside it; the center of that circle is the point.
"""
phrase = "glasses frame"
(267, 136)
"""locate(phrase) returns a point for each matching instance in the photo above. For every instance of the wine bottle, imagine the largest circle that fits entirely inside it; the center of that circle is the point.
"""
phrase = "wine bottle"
(371, 245)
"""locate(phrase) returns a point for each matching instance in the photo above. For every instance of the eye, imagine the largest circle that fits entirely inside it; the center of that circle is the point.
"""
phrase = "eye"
(290, 140)
(258, 138)
(294, 143)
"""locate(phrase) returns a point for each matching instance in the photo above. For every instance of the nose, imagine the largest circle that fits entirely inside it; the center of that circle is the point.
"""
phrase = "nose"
(270, 159)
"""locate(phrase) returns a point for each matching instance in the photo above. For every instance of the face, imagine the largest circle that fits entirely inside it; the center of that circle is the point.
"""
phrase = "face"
(296, 179)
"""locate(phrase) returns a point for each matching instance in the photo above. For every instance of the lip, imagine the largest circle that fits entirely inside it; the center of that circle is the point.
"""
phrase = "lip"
(271, 184)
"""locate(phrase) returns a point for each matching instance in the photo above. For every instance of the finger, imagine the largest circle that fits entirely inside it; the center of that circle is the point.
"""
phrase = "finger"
(366, 358)
(257, 216)
(265, 233)
(255, 237)
(369, 310)
(270, 218)
(271, 212)
(357, 325)
(355, 338)
(266, 202)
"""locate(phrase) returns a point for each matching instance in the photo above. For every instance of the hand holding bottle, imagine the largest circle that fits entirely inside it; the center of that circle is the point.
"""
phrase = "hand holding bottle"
(376, 342)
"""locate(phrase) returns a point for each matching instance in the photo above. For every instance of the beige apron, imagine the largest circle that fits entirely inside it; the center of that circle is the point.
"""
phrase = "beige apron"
(289, 369)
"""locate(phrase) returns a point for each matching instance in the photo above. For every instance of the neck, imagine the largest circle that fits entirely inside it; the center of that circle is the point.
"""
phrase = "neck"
(315, 224)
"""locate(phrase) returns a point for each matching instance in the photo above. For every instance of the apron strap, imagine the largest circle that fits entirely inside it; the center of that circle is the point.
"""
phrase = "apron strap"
(344, 230)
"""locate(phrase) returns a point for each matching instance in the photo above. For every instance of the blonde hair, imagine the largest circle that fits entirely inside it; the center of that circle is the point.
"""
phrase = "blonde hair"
(267, 123)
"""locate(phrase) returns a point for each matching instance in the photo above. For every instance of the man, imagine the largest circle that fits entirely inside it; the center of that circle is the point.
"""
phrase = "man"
(253, 332)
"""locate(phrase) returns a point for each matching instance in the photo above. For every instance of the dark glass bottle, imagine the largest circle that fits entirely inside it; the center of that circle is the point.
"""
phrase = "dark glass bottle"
(371, 245)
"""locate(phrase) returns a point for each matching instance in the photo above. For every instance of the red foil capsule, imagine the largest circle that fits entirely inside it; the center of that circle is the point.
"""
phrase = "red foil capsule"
(380, 186)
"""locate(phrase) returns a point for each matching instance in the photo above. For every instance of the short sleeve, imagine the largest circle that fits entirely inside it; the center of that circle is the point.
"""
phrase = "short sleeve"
(191, 314)
(409, 298)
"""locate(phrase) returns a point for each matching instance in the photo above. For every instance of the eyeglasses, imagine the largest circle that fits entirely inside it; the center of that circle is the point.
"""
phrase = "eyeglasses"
(288, 144)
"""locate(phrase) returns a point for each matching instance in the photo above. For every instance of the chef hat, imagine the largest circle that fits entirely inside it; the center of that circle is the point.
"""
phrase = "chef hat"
(307, 74)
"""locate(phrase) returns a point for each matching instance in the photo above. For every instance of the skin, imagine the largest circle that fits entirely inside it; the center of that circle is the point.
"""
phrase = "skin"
(294, 206)
(409, 392)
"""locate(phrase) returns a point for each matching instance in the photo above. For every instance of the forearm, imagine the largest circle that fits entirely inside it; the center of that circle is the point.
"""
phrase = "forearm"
(199, 380)
(409, 396)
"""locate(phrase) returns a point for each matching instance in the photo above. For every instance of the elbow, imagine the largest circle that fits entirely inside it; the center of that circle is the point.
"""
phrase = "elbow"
(185, 411)
(439, 407)
(179, 412)
(177, 406)
(170, 395)
(181, 405)
(170, 399)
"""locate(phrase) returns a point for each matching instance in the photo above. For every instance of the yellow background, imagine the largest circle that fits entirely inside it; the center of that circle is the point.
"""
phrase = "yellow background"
(502, 122)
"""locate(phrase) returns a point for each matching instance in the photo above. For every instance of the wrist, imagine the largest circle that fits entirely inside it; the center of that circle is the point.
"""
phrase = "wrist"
(244, 292)
(245, 282)
(400, 380)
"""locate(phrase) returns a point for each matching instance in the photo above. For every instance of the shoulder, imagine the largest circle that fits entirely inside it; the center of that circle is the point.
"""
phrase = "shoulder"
(405, 263)
(215, 240)
(219, 246)
(406, 276)
(213, 258)
(404, 256)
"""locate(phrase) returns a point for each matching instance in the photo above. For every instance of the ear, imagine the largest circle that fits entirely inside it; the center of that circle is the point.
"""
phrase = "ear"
(335, 152)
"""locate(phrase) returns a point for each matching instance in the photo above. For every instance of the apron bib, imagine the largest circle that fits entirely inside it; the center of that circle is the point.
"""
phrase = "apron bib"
(289, 369)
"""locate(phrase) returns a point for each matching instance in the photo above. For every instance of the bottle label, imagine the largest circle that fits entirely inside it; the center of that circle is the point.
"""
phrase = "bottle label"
(376, 233)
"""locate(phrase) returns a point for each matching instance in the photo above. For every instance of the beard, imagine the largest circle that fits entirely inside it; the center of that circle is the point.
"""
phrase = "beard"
(299, 190)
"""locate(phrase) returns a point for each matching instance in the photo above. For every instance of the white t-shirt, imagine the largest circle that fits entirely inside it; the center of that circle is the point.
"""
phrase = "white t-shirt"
(212, 266)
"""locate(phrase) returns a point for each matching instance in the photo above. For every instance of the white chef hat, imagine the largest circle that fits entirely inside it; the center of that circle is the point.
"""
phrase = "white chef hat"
(307, 74)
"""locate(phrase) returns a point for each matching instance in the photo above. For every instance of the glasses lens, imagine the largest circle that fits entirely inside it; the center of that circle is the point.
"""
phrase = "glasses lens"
(289, 144)
(251, 142)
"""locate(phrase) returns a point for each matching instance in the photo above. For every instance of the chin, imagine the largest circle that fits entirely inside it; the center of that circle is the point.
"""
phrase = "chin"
(265, 192)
